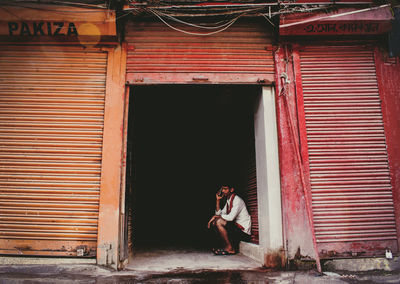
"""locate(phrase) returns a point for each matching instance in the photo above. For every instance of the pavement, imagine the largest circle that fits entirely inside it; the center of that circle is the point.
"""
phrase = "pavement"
(177, 266)
(82, 273)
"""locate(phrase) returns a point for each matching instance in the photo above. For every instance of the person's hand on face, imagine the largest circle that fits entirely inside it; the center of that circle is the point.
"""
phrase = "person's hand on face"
(219, 197)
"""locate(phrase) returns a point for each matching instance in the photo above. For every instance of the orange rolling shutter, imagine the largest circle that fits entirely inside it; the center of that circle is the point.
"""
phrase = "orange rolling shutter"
(51, 129)
(351, 190)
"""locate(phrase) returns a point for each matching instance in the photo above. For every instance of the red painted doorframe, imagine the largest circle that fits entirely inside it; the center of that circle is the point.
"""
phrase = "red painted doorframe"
(296, 227)
(388, 74)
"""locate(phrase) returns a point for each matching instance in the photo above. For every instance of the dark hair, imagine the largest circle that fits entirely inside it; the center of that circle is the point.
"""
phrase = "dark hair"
(228, 185)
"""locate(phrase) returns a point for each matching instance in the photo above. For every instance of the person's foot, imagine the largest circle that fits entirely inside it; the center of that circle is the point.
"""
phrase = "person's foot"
(229, 249)
(215, 250)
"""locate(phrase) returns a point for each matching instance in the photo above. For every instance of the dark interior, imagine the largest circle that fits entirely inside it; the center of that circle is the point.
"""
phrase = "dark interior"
(184, 142)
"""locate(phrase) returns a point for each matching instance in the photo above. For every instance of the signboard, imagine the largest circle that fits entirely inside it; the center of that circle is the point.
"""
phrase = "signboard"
(42, 28)
(371, 21)
(45, 22)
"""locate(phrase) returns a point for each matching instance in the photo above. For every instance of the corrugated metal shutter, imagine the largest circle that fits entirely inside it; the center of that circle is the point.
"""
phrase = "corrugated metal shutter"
(51, 128)
(251, 196)
(158, 54)
(351, 190)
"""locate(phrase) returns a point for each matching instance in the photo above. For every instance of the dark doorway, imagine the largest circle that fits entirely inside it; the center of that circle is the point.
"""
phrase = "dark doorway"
(184, 141)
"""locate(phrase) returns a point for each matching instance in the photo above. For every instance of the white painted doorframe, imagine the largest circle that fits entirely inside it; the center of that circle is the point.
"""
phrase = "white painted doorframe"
(268, 179)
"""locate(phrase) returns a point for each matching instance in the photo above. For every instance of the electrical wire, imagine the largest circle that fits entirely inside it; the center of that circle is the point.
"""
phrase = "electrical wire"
(172, 11)
(196, 25)
(269, 20)
(51, 2)
(222, 27)
(299, 10)
(219, 5)
(334, 16)
(193, 33)
(41, 8)
(207, 12)
(126, 14)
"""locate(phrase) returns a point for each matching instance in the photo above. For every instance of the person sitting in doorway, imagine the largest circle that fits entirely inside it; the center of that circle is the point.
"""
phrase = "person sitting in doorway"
(232, 223)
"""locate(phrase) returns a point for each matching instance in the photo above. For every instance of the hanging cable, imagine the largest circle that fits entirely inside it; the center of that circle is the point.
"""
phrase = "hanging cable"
(196, 25)
(56, 11)
(200, 11)
(214, 5)
(124, 15)
(75, 4)
(193, 33)
(268, 19)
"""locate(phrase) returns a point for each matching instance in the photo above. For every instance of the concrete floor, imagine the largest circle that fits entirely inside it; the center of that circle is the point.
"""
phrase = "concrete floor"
(164, 260)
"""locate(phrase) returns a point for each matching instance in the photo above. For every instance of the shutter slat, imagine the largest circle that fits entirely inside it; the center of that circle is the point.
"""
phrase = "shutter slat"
(251, 198)
(240, 54)
(351, 191)
(51, 128)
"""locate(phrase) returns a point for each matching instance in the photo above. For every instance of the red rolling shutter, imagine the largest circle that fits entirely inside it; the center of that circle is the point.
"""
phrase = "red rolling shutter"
(251, 197)
(157, 54)
(351, 190)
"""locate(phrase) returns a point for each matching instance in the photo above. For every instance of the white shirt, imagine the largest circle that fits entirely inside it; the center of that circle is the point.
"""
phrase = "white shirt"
(238, 213)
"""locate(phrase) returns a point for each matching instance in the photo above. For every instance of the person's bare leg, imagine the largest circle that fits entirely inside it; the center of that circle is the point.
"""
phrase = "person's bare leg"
(221, 223)
(218, 241)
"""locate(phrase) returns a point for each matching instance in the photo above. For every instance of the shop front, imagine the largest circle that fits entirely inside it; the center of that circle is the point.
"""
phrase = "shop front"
(95, 134)
(345, 153)
(201, 113)
(55, 84)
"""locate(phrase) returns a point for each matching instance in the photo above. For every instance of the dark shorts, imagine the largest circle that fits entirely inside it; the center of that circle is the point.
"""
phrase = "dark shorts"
(236, 235)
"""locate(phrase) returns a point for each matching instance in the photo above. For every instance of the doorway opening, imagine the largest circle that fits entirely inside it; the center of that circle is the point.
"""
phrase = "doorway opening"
(184, 142)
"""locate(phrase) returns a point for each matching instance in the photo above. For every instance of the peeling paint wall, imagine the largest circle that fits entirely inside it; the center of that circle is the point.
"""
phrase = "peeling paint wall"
(297, 232)
(388, 73)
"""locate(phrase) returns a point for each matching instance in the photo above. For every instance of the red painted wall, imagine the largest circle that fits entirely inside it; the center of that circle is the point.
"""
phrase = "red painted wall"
(388, 73)
(297, 232)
